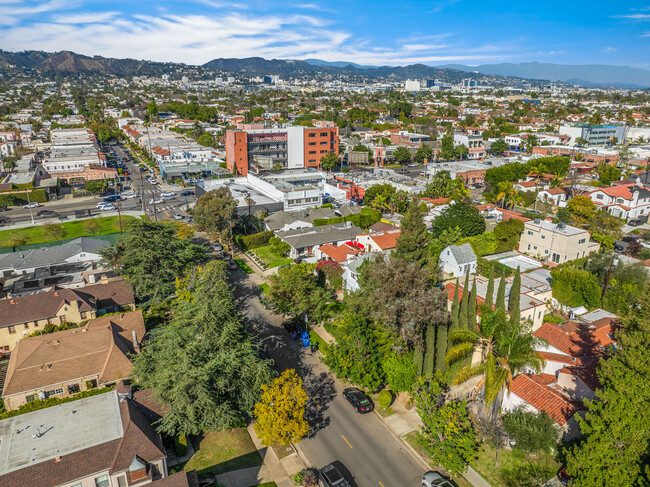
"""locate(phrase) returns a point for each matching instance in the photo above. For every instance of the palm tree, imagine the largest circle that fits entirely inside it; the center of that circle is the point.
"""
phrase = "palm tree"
(557, 181)
(506, 348)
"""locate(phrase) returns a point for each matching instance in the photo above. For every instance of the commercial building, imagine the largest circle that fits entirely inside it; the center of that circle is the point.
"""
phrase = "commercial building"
(474, 144)
(594, 134)
(555, 242)
(275, 149)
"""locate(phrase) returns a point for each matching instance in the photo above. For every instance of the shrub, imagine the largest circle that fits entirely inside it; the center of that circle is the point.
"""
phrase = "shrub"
(319, 222)
(254, 241)
(180, 445)
(385, 398)
(400, 371)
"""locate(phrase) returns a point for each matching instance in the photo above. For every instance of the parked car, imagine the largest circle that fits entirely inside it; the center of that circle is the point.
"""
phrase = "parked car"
(434, 479)
(216, 247)
(359, 400)
(332, 477)
(292, 326)
(630, 238)
(128, 196)
(167, 196)
(635, 223)
(113, 197)
(187, 192)
(31, 205)
(178, 216)
(226, 256)
(157, 201)
(564, 477)
(232, 265)
(108, 207)
(4, 208)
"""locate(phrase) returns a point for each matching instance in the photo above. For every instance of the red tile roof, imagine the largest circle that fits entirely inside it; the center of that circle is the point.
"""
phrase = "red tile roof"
(578, 339)
(512, 215)
(340, 253)
(537, 390)
(386, 240)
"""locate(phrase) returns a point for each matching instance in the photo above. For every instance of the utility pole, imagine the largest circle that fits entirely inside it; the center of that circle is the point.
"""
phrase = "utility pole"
(609, 270)
(29, 204)
(142, 195)
(119, 214)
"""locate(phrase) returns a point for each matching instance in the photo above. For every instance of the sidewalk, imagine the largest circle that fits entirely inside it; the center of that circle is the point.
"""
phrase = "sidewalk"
(405, 421)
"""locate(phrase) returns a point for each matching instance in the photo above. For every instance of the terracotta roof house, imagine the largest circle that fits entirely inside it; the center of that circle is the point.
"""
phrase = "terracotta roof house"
(623, 201)
(340, 253)
(66, 362)
(571, 356)
(99, 441)
(378, 242)
(23, 315)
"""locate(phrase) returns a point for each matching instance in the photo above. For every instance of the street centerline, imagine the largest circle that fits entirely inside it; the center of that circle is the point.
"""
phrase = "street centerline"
(344, 438)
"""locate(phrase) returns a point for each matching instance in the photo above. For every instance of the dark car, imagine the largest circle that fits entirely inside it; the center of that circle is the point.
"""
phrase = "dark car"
(226, 256)
(232, 265)
(113, 197)
(332, 477)
(4, 208)
(187, 193)
(635, 223)
(630, 239)
(47, 214)
(292, 327)
(359, 400)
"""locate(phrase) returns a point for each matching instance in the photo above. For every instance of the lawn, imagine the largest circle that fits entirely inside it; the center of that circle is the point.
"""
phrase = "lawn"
(512, 463)
(264, 287)
(553, 318)
(73, 229)
(315, 338)
(270, 258)
(243, 266)
(223, 451)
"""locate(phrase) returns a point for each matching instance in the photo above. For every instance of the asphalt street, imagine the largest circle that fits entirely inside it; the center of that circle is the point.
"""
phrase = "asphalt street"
(368, 452)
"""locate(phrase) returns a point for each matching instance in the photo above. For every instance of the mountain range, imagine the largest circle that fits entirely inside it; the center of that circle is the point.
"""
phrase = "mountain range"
(70, 63)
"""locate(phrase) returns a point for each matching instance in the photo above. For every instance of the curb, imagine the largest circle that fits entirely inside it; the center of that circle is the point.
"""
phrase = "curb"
(411, 450)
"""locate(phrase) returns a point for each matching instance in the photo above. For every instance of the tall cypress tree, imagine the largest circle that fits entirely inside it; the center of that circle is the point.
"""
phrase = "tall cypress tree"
(462, 313)
(515, 297)
(418, 359)
(441, 348)
(501, 293)
(489, 296)
(430, 353)
(454, 306)
(471, 308)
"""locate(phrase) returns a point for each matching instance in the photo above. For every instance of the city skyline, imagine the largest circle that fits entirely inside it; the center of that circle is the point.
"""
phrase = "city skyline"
(371, 33)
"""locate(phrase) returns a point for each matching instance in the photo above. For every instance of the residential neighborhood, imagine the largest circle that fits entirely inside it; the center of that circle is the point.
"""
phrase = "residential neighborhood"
(270, 271)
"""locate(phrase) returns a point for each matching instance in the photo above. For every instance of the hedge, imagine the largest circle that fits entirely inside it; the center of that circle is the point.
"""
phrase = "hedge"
(319, 222)
(385, 398)
(180, 445)
(19, 199)
(367, 217)
(484, 265)
(52, 401)
(250, 242)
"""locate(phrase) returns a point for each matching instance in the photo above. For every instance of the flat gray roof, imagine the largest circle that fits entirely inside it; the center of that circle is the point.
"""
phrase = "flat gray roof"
(32, 438)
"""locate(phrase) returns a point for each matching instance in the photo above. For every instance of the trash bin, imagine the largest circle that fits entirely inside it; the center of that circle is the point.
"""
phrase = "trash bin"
(305, 339)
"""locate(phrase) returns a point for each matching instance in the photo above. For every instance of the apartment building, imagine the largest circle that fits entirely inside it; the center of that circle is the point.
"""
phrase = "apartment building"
(474, 144)
(279, 148)
(557, 243)
(623, 201)
(594, 134)
(104, 440)
(67, 362)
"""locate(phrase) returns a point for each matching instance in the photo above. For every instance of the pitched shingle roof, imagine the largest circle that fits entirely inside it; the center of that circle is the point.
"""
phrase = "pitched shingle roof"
(100, 348)
(34, 307)
(47, 256)
(463, 254)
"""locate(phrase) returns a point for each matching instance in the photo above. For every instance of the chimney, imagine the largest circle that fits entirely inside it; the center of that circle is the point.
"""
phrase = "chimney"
(136, 345)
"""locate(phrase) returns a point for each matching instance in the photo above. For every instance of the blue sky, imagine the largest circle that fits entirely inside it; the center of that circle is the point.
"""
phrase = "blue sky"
(367, 32)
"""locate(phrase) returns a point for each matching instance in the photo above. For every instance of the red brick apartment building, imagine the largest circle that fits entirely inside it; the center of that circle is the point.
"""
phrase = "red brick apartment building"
(287, 148)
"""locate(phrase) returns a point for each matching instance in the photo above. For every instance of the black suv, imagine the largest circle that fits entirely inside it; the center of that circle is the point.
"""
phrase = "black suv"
(332, 477)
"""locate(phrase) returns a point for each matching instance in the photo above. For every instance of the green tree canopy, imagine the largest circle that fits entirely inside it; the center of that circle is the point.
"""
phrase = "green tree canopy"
(402, 155)
(533, 432)
(296, 291)
(202, 364)
(461, 214)
(411, 245)
(215, 212)
(150, 256)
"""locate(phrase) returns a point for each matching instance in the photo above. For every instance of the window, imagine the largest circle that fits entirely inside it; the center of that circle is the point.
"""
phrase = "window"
(26, 326)
(12, 329)
(582, 240)
(77, 485)
(546, 251)
(528, 246)
(543, 237)
(312, 160)
(324, 142)
(101, 481)
(73, 389)
(312, 152)
(30, 398)
(323, 152)
(54, 392)
(529, 232)
(599, 196)
(312, 143)
(121, 481)
(323, 134)
(312, 134)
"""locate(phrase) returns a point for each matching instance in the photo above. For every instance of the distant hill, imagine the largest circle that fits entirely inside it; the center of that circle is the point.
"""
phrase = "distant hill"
(591, 75)
(338, 64)
(261, 66)
(67, 62)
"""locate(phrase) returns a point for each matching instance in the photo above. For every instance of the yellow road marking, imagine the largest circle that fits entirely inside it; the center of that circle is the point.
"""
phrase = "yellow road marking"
(166, 213)
(382, 485)
(347, 441)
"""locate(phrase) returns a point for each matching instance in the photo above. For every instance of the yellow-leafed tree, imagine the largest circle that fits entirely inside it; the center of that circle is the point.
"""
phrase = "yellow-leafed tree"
(280, 414)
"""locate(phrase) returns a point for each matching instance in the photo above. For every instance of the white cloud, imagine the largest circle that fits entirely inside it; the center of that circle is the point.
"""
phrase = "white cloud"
(634, 16)
(610, 49)
(196, 39)
(312, 6)
(85, 18)
(647, 34)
